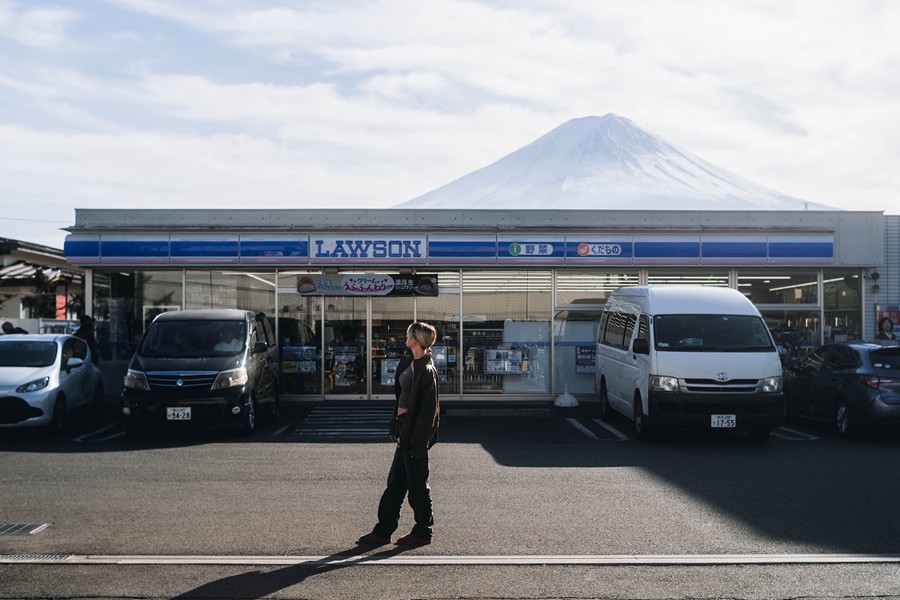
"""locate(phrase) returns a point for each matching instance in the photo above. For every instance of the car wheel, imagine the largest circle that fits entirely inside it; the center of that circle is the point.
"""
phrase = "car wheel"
(842, 422)
(59, 420)
(759, 434)
(248, 420)
(641, 427)
(604, 401)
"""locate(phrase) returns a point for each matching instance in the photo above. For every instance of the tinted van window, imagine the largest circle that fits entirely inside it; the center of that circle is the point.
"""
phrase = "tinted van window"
(619, 327)
(711, 333)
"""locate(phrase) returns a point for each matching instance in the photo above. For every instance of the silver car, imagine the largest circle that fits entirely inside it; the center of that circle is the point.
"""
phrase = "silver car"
(44, 378)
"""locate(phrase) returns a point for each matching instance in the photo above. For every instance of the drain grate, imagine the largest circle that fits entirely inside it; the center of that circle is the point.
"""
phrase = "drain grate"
(11, 558)
(22, 528)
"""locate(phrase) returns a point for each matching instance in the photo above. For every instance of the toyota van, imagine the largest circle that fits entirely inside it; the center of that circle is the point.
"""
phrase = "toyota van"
(688, 356)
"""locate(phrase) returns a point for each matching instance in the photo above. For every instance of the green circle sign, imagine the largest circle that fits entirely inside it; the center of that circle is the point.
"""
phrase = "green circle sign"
(515, 249)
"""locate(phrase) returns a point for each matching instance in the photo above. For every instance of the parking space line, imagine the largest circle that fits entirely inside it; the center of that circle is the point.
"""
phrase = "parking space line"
(81, 438)
(793, 435)
(621, 436)
(583, 429)
(800, 433)
(388, 558)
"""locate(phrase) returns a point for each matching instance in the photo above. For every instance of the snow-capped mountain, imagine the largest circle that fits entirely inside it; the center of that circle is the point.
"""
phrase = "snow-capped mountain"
(605, 163)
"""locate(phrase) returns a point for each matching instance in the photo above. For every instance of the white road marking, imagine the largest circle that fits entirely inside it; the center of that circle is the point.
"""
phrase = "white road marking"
(405, 559)
(798, 433)
(282, 430)
(621, 436)
(583, 429)
(81, 438)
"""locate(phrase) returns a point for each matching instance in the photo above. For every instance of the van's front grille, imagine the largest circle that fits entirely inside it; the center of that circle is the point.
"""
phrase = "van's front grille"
(185, 381)
(711, 386)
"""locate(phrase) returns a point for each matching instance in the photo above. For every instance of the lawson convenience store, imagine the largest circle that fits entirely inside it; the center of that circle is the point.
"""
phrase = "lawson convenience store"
(515, 295)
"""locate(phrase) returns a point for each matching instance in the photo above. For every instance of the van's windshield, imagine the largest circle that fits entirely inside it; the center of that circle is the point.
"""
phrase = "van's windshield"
(186, 338)
(711, 333)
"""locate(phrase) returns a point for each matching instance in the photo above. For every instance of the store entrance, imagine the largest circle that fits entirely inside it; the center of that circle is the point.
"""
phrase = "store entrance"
(346, 353)
(364, 341)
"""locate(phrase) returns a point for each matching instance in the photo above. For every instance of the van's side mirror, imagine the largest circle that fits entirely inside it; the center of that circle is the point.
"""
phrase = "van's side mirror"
(260, 347)
(641, 346)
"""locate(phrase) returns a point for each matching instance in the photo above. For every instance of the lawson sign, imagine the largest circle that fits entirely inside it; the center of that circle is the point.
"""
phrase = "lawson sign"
(367, 248)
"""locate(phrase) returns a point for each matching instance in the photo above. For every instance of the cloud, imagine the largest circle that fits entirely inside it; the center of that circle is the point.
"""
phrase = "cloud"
(35, 27)
(321, 103)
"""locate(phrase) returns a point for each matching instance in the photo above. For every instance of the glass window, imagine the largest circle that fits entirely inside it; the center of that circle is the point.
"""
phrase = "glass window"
(346, 354)
(575, 351)
(442, 311)
(843, 305)
(687, 277)
(231, 289)
(506, 331)
(391, 318)
(644, 328)
(618, 329)
(126, 302)
(593, 287)
(298, 329)
(781, 287)
(796, 333)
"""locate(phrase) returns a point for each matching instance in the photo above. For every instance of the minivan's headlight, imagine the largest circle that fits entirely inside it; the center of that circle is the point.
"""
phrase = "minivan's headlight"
(232, 378)
(33, 386)
(661, 383)
(772, 384)
(136, 380)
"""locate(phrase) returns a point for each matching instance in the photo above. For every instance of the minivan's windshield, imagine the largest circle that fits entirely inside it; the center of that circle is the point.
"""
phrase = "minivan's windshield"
(187, 338)
(27, 354)
(711, 333)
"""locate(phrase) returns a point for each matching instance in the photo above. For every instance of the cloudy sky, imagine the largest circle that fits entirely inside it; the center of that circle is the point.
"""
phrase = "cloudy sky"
(347, 104)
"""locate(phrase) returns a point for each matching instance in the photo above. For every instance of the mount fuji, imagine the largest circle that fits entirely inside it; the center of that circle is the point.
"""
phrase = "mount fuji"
(605, 162)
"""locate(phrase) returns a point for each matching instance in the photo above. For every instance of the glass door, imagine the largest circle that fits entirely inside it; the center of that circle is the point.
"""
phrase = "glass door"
(390, 319)
(346, 355)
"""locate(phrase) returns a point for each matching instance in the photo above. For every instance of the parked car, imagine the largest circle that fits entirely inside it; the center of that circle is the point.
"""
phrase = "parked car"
(215, 367)
(44, 378)
(688, 357)
(850, 385)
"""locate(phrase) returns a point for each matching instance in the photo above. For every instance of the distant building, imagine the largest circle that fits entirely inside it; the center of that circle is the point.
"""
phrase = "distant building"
(39, 290)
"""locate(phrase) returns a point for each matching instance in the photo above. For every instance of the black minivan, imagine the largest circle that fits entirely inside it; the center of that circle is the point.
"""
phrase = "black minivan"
(216, 367)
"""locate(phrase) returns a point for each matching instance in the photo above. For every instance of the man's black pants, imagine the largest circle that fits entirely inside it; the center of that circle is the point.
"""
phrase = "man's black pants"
(407, 475)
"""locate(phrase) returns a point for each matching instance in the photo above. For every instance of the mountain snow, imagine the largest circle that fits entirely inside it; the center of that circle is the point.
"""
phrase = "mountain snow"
(605, 162)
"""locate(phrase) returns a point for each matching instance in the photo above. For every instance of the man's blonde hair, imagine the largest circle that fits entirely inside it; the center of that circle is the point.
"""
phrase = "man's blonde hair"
(423, 333)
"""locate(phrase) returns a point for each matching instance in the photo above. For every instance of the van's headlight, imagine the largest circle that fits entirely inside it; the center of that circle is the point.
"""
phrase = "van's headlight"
(772, 384)
(33, 386)
(136, 380)
(661, 383)
(232, 378)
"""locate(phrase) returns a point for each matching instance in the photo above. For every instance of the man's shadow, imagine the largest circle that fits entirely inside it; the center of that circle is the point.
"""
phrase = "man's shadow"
(258, 585)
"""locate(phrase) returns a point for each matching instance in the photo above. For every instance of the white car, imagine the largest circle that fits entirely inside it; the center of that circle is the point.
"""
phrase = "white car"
(44, 378)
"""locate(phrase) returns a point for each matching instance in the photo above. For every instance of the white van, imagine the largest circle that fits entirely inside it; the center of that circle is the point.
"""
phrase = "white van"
(688, 356)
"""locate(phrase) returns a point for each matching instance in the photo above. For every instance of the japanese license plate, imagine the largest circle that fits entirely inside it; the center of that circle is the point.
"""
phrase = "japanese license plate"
(723, 421)
(178, 413)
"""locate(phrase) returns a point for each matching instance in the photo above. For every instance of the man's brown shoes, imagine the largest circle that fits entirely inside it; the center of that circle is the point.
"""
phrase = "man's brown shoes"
(374, 539)
(413, 540)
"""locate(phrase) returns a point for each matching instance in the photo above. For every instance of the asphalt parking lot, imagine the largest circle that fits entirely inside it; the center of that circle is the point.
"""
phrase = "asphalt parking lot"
(530, 505)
